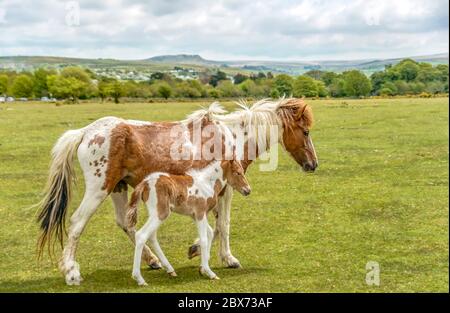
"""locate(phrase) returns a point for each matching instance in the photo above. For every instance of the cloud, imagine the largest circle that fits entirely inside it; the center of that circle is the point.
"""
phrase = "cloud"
(221, 29)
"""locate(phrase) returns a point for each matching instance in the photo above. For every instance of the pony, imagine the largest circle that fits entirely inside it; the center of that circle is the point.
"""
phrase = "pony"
(293, 119)
(193, 194)
(115, 153)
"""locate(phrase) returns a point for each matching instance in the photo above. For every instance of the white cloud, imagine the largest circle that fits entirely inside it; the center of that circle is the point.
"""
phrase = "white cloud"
(227, 29)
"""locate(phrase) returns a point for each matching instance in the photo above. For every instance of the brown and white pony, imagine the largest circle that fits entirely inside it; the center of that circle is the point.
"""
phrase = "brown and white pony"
(193, 194)
(114, 153)
(293, 120)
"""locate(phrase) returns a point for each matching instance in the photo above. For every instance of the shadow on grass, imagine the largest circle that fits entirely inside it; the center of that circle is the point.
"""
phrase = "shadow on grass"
(103, 280)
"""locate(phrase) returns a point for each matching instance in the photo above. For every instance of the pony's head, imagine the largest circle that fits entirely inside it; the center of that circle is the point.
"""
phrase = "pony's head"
(297, 120)
(235, 176)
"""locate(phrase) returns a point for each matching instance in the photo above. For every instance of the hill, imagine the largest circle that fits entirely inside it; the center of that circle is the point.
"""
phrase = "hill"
(167, 62)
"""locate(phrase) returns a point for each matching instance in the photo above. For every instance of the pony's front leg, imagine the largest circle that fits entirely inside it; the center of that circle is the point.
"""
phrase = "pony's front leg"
(205, 240)
(223, 229)
(120, 200)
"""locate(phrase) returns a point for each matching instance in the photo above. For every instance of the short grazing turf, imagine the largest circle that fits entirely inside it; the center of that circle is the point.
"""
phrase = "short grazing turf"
(380, 194)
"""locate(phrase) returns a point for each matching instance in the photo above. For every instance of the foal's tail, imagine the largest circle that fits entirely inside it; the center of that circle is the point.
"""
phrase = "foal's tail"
(58, 189)
(132, 210)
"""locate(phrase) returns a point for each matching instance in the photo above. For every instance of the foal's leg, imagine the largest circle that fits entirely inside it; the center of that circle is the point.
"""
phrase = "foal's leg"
(165, 263)
(142, 236)
(120, 200)
(202, 226)
(68, 266)
(222, 230)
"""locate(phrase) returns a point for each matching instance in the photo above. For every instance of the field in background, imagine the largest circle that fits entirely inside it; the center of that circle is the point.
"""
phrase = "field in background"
(380, 194)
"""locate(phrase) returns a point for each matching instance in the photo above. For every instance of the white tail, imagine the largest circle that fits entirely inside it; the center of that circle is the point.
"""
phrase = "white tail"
(58, 189)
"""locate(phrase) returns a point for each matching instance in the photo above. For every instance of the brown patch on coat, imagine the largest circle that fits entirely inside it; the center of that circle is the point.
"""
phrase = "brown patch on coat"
(98, 140)
(137, 151)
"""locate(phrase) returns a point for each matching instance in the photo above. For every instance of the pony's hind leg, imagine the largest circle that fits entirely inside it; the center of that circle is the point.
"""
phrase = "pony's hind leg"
(120, 200)
(68, 266)
(142, 235)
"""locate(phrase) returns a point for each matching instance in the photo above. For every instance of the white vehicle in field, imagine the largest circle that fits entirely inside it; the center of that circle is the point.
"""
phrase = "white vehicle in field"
(45, 99)
(2, 99)
(10, 99)
(23, 99)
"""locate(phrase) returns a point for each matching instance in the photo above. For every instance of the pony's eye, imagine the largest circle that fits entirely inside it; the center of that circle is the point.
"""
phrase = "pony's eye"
(306, 132)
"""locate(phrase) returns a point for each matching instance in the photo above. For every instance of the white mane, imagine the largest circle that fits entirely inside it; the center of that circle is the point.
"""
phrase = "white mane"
(214, 109)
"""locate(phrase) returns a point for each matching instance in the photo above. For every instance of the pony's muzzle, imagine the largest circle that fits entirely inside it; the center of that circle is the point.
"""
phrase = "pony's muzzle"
(310, 166)
(246, 191)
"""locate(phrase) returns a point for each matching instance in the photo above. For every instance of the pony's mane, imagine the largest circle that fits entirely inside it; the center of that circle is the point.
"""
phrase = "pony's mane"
(215, 109)
(268, 112)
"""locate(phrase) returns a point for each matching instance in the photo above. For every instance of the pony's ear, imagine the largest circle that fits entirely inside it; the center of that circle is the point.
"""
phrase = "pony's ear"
(299, 113)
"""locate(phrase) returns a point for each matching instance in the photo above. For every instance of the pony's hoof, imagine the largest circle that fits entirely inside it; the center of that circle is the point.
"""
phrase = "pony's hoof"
(215, 278)
(73, 280)
(193, 251)
(155, 265)
(232, 262)
(172, 274)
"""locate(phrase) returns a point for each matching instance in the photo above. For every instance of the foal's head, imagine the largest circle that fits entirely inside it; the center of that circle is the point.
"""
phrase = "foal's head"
(234, 174)
(297, 120)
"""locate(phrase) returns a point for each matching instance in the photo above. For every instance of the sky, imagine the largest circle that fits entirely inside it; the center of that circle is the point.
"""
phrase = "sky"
(225, 29)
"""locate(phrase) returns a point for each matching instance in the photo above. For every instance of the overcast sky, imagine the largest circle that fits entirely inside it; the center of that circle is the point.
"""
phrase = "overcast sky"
(225, 29)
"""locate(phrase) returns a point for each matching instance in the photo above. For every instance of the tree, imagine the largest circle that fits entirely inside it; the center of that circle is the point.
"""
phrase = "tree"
(3, 84)
(328, 77)
(103, 88)
(283, 84)
(315, 74)
(239, 78)
(217, 77)
(116, 90)
(40, 82)
(408, 69)
(22, 86)
(227, 89)
(164, 90)
(66, 87)
(321, 88)
(337, 87)
(356, 84)
(249, 88)
(305, 86)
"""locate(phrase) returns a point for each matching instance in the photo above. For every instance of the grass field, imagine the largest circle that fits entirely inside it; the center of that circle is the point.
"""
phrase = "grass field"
(380, 194)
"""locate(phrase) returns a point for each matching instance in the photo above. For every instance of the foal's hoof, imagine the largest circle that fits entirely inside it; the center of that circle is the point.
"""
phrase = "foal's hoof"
(215, 278)
(155, 265)
(193, 251)
(172, 274)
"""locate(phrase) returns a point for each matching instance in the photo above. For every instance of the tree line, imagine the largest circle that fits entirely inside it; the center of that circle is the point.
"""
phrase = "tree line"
(408, 77)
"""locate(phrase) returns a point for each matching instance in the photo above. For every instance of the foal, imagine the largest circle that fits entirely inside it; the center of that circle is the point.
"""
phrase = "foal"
(193, 194)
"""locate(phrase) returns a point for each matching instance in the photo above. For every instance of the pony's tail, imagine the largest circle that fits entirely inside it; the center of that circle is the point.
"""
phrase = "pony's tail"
(132, 210)
(58, 190)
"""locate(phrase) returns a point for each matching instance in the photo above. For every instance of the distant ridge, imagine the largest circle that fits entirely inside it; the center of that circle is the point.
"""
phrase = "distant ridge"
(180, 59)
(166, 62)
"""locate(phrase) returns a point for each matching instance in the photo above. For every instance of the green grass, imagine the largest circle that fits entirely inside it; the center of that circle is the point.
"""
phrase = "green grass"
(380, 194)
